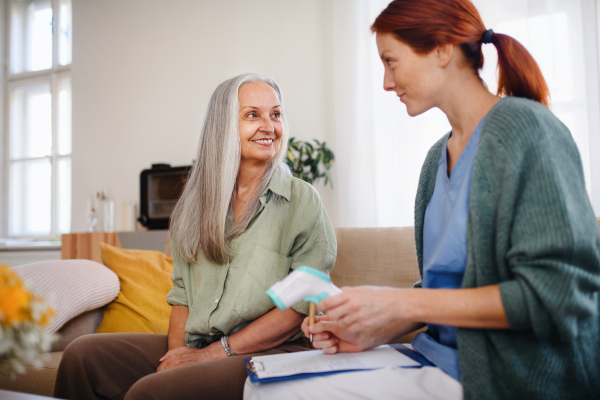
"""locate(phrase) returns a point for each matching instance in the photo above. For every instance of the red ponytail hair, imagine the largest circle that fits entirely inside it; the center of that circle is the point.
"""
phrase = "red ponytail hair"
(426, 24)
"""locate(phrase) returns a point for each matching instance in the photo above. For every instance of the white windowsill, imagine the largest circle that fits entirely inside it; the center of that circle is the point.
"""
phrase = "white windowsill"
(28, 245)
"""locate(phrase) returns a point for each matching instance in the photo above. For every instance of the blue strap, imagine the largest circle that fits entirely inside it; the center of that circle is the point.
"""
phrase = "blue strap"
(413, 355)
(443, 357)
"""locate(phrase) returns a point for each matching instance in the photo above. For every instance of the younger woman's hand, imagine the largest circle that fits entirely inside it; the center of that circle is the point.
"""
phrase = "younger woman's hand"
(364, 308)
(331, 337)
(360, 318)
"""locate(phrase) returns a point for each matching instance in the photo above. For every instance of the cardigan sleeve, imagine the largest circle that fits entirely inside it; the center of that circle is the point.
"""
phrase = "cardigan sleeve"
(554, 251)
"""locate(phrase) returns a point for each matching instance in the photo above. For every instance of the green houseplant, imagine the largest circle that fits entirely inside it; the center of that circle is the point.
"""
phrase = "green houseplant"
(310, 162)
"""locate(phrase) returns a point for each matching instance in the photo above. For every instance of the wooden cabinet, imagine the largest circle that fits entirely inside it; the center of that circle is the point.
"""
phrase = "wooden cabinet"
(87, 245)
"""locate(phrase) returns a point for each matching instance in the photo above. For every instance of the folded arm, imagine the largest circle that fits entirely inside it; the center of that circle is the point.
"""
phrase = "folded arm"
(266, 332)
(176, 336)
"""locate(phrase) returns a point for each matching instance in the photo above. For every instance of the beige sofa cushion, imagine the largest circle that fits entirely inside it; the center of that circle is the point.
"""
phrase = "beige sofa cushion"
(376, 256)
(41, 380)
(84, 324)
(34, 380)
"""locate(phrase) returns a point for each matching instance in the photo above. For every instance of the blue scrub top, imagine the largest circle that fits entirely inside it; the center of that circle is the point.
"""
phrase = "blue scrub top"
(445, 248)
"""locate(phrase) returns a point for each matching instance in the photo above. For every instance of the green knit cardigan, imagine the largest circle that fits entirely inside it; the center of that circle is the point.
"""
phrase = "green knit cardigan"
(532, 231)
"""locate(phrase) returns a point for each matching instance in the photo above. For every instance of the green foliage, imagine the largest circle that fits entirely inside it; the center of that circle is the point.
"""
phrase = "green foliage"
(310, 162)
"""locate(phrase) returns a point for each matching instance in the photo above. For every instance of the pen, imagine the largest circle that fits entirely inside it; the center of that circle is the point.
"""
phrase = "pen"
(311, 317)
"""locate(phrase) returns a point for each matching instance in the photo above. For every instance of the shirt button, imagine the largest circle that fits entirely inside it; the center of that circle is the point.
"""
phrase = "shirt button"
(216, 301)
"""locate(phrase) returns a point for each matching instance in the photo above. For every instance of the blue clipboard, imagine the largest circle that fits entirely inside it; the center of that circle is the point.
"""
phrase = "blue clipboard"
(399, 347)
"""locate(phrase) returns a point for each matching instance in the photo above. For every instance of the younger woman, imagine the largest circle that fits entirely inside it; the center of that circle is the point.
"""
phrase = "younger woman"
(507, 242)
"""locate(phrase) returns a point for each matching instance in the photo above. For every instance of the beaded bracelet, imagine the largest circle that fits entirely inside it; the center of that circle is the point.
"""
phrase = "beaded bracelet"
(225, 343)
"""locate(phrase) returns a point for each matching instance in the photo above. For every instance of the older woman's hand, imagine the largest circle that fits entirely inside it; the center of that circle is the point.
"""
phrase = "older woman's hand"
(184, 355)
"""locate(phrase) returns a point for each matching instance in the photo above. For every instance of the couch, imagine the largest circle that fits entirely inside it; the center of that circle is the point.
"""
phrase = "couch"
(366, 256)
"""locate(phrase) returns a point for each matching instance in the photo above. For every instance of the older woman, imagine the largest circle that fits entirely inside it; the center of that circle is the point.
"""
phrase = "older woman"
(242, 223)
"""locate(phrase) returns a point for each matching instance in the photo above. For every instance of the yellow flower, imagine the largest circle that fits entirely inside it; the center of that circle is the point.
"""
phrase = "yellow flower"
(14, 299)
(14, 302)
(17, 303)
(46, 317)
(23, 316)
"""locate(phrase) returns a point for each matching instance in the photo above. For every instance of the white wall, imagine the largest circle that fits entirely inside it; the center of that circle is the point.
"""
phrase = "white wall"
(143, 72)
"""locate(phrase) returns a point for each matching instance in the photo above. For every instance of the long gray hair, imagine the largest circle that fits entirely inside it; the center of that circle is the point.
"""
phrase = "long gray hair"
(199, 219)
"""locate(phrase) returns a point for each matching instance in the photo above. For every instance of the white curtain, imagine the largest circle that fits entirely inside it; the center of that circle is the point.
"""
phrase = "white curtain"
(380, 149)
(552, 31)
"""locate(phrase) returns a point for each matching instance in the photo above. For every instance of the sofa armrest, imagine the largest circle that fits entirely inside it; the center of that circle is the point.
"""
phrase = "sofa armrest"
(83, 324)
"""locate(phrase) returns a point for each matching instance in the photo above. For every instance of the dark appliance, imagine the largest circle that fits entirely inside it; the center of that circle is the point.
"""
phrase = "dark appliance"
(160, 188)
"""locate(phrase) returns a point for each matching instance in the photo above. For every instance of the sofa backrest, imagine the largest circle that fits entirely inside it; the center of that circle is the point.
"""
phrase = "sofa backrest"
(83, 324)
(375, 256)
(366, 256)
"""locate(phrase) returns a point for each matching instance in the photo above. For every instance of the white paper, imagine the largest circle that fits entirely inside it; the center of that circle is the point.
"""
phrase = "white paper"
(315, 361)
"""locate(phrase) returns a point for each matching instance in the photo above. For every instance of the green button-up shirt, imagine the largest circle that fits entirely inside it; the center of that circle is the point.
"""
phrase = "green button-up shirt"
(289, 230)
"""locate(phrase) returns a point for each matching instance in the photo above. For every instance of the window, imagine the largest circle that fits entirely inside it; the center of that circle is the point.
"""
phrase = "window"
(553, 33)
(38, 155)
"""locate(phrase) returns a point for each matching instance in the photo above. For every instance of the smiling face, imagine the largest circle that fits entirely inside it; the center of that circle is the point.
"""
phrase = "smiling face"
(260, 124)
(416, 78)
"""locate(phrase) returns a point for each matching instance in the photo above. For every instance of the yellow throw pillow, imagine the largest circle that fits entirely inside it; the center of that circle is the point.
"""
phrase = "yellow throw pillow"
(145, 278)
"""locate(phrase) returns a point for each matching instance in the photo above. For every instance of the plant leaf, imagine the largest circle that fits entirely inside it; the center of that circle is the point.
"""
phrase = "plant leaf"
(305, 160)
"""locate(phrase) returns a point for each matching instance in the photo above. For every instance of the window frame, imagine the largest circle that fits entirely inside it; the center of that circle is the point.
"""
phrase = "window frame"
(53, 76)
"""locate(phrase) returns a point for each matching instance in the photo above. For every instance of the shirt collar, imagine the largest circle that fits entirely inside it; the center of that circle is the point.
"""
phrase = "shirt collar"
(280, 183)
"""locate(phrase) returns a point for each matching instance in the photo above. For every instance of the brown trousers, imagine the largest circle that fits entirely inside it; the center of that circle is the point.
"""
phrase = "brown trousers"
(123, 366)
